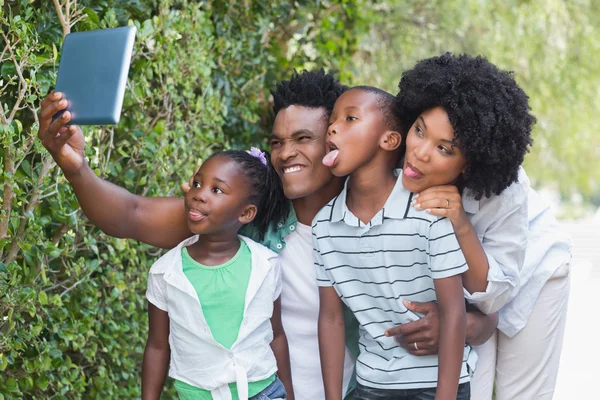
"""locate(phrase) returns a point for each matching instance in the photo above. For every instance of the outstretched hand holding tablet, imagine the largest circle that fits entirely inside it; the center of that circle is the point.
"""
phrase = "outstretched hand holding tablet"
(93, 73)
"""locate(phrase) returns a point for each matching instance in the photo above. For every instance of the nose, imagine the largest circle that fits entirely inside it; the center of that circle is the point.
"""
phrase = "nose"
(422, 153)
(288, 150)
(331, 130)
(199, 195)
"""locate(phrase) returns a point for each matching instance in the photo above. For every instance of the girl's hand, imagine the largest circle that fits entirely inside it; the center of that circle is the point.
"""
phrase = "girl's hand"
(444, 201)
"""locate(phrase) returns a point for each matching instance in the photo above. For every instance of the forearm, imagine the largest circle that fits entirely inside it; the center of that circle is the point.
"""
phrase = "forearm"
(480, 327)
(475, 278)
(331, 348)
(279, 345)
(452, 339)
(154, 371)
(117, 212)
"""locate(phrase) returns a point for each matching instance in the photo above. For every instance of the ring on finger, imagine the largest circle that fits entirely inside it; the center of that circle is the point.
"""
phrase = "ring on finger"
(416, 347)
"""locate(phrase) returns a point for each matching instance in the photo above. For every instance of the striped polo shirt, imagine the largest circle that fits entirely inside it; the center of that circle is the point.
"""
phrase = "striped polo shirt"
(373, 267)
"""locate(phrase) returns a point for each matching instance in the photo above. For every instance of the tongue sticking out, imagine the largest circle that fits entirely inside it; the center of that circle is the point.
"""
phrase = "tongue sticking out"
(411, 173)
(330, 158)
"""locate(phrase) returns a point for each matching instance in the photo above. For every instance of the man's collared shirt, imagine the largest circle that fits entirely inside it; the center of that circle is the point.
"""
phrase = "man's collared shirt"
(373, 267)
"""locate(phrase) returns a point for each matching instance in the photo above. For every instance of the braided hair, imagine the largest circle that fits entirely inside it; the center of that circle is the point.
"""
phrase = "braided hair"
(265, 184)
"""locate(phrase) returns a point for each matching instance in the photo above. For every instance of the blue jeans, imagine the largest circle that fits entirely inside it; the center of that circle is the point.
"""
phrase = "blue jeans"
(275, 390)
(366, 393)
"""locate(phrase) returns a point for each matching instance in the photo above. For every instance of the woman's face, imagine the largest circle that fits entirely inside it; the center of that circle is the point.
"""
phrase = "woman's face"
(432, 157)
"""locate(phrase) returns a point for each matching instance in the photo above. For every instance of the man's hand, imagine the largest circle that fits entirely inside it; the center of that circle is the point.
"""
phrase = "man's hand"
(65, 143)
(425, 332)
(186, 186)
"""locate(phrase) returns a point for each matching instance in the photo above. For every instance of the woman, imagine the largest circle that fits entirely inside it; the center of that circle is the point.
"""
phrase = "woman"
(528, 276)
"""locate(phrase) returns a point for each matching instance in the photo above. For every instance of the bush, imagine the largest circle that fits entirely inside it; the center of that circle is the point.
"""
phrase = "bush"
(72, 307)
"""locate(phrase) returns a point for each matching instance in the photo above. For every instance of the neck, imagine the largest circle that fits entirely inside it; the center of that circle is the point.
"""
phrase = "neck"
(369, 188)
(215, 249)
(307, 207)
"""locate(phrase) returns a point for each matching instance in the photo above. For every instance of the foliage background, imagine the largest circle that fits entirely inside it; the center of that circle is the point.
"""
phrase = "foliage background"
(72, 307)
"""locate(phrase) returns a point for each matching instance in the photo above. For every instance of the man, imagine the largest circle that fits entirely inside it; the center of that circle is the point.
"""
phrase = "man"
(302, 107)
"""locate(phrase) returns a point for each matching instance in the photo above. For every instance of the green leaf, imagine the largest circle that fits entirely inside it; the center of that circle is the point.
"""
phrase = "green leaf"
(43, 298)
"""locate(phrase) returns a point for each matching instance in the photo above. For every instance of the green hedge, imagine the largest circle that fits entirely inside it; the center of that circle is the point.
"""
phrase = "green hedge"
(72, 308)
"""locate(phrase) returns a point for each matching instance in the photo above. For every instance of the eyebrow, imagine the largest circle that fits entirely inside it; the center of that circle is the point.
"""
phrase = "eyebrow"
(451, 142)
(222, 181)
(216, 179)
(294, 135)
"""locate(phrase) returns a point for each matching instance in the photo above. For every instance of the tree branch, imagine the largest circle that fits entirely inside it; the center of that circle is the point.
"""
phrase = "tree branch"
(66, 27)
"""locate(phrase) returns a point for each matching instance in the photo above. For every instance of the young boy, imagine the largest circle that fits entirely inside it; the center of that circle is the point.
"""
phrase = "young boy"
(372, 250)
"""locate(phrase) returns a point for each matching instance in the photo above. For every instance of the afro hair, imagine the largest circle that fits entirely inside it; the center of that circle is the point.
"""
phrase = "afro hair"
(313, 89)
(489, 113)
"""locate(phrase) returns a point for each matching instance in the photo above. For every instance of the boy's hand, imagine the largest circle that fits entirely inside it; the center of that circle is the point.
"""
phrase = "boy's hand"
(65, 143)
(444, 201)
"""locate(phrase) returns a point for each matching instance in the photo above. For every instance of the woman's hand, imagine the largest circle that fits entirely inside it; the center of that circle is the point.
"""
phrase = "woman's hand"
(444, 201)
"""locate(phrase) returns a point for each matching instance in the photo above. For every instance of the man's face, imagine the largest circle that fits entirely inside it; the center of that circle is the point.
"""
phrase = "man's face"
(297, 150)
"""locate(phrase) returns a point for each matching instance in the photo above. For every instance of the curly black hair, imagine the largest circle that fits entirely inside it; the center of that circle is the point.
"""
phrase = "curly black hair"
(489, 113)
(312, 89)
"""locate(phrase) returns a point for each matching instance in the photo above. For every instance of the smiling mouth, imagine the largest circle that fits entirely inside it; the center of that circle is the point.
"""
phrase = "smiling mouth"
(292, 169)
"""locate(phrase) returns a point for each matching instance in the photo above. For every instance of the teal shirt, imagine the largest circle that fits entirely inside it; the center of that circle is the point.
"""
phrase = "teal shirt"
(274, 239)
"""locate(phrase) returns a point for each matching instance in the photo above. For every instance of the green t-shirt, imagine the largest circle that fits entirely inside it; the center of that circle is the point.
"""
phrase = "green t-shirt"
(221, 290)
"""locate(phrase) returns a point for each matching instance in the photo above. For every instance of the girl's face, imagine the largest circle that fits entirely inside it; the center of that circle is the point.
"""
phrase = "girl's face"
(432, 155)
(218, 201)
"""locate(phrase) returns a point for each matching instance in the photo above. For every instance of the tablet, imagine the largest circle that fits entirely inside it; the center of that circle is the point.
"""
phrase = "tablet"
(93, 72)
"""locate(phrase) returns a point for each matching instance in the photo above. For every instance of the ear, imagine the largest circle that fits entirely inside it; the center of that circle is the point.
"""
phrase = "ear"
(248, 214)
(390, 141)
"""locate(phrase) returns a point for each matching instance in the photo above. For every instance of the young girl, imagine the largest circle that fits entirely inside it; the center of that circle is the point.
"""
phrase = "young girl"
(214, 304)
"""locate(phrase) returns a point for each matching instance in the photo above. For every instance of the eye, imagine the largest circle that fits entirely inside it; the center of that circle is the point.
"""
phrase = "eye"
(196, 184)
(274, 143)
(351, 118)
(445, 150)
(303, 138)
(418, 131)
(218, 190)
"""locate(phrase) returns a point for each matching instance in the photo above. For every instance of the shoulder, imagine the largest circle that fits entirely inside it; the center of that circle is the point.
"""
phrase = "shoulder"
(172, 256)
(509, 200)
(325, 214)
(258, 249)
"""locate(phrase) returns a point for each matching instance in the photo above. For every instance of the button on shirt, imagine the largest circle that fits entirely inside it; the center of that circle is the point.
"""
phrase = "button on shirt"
(196, 358)
(373, 267)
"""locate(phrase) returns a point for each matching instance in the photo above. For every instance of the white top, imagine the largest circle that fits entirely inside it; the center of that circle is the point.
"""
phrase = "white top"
(373, 267)
(196, 358)
(525, 247)
(300, 315)
(501, 225)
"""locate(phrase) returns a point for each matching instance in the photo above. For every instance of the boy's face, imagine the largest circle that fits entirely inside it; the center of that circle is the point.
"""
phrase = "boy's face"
(432, 155)
(356, 128)
(218, 198)
(297, 147)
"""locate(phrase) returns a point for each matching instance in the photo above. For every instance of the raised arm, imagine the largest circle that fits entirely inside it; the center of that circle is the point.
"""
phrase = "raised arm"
(157, 221)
